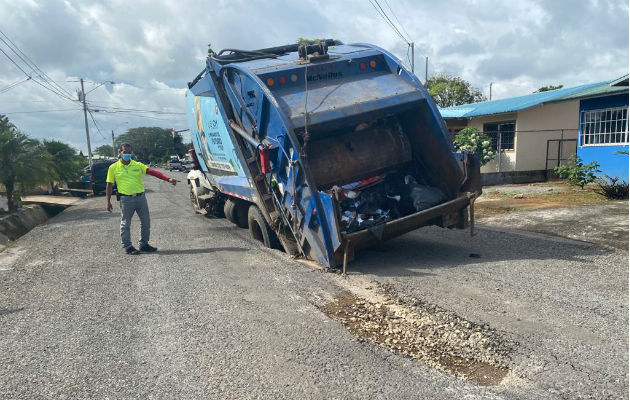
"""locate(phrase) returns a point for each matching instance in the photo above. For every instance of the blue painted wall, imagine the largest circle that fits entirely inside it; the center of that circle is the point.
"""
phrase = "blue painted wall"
(611, 164)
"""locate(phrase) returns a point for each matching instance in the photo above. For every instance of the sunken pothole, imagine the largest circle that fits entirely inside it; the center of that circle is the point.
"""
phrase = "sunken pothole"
(428, 334)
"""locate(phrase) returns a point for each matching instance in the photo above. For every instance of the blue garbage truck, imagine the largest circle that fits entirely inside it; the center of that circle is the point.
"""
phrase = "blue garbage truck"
(323, 148)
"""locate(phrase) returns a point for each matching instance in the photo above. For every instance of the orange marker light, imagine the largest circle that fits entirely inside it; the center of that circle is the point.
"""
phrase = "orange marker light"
(270, 82)
(373, 63)
(363, 66)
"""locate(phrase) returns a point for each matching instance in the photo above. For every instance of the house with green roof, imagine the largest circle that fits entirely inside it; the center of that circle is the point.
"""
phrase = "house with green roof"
(539, 131)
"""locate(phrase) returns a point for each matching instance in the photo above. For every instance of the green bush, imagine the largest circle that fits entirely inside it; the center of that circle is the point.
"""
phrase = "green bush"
(577, 173)
(473, 141)
(611, 188)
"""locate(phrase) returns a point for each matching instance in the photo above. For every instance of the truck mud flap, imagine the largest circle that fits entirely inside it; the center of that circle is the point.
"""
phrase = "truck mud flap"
(370, 237)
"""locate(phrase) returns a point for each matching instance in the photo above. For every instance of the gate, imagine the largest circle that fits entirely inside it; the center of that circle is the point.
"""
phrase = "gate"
(559, 151)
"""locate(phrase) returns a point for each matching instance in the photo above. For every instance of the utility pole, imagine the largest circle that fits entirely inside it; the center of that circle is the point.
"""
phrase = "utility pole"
(490, 91)
(413, 59)
(113, 145)
(426, 69)
(87, 129)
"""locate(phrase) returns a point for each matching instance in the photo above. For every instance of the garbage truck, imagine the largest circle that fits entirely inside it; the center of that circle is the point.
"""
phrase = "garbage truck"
(323, 148)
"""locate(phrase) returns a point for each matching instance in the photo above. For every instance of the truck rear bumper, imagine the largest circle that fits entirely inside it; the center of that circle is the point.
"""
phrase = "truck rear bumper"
(434, 215)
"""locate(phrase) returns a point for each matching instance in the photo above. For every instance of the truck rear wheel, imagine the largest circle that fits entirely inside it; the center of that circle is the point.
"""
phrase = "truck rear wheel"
(260, 230)
(236, 212)
(289, 245)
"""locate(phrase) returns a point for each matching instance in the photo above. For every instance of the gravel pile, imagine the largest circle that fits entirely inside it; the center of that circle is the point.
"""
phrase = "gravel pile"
(427, 333)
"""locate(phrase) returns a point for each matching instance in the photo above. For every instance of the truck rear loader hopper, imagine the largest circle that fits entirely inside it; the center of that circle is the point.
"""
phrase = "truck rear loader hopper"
(325, 147)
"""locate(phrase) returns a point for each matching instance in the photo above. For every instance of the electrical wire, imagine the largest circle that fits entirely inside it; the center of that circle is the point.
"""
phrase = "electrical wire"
(11, 86)
(125, 109)
(34, 66)
(397, 20)
(40, 111)
(383, 15)
(35, 80)
(98, 129)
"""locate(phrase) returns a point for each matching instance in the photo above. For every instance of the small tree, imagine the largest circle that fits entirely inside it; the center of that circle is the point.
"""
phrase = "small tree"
(448, 91)
(473, 141)
(577, 173)
(548, 88)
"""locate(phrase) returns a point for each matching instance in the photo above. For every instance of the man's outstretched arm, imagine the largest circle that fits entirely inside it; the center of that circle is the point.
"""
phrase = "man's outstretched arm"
(161, 176)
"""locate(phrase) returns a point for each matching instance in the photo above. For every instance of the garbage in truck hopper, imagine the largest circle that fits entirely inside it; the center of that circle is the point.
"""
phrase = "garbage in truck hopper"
(375, 201)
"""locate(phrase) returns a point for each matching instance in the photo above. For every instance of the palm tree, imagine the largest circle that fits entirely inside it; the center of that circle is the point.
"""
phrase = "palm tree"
(66, 165)
(24, 162)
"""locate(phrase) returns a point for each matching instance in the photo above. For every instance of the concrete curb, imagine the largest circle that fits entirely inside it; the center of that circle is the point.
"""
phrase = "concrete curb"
(15, 225)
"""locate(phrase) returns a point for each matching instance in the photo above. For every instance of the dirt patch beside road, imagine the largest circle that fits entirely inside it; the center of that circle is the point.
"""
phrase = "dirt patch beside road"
(497, 200)
(604, 224)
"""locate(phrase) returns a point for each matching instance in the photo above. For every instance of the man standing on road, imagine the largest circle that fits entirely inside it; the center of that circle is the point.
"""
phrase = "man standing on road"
(127, 175)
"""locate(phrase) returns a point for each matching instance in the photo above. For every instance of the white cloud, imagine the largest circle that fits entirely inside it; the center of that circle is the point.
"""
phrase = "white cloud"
(152, 48)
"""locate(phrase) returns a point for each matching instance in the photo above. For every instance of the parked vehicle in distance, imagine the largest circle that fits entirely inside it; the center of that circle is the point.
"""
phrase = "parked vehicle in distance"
(99, 175)
(174, 165)
(187, 166)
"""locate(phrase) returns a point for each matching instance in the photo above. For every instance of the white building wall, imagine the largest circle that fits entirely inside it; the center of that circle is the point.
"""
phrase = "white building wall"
(537, 125)
(534, 127)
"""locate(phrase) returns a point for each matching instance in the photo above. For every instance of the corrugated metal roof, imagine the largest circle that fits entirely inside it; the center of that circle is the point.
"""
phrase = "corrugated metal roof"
(607, 88)
(513, 104)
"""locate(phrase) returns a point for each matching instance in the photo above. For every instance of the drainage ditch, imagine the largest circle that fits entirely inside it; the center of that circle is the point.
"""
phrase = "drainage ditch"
(13, 226)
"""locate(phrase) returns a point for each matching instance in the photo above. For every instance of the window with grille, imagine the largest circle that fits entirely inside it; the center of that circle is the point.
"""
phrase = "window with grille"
(604, 127)
(502, 134)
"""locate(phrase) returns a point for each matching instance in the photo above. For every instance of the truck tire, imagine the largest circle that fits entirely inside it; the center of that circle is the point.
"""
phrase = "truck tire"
(228, 210)
(260, 230)
(289, 245)
(236, 212)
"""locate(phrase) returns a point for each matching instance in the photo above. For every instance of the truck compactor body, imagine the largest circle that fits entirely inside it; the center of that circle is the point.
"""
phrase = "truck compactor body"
(323, 149)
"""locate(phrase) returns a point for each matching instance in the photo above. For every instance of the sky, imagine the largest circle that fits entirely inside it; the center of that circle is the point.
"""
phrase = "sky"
(151, 49)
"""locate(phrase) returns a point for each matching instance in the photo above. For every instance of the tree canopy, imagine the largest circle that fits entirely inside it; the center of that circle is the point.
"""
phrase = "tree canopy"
(548, 88)
(153, 143)
(67, 164)
(448, 91)
(105, 150)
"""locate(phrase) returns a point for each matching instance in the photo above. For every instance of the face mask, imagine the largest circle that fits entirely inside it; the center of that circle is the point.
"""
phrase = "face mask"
(127, 157)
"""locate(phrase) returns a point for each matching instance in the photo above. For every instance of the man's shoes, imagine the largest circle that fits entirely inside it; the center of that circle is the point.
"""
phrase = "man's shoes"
(132, 250)
(148, 248)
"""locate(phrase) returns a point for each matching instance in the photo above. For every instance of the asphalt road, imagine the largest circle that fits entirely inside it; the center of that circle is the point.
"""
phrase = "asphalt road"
(213, 315)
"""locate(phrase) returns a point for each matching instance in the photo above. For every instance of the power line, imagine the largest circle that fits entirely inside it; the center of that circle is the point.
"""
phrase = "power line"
(98, 129)
(397, 20)
(40, 111)
(383, 15)
(34, 80)
(11, 86)
(48, 79)
(124, 109)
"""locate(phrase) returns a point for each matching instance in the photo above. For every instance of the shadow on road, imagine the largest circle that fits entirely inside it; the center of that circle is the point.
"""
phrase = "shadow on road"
(420, 252)
(201, 251)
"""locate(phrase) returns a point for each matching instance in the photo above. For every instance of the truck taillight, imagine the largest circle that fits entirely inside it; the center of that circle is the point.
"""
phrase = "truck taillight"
(265, 160)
